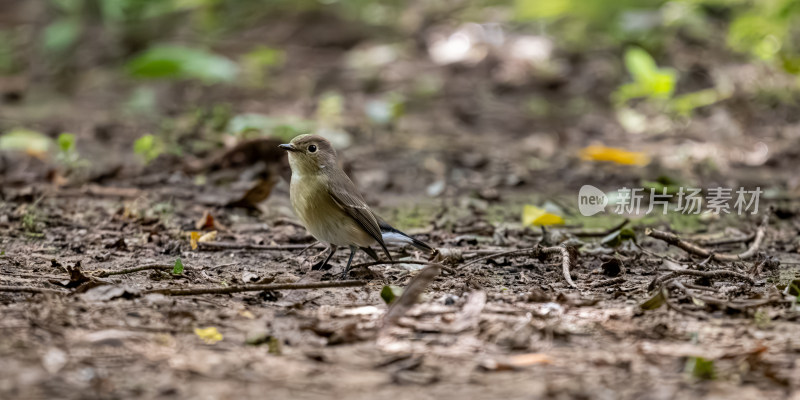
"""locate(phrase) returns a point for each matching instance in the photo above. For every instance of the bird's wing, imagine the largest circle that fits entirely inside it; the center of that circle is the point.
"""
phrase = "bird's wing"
(345, 195)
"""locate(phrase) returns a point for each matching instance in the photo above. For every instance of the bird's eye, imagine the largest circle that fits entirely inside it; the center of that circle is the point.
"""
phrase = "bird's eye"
(312, 148)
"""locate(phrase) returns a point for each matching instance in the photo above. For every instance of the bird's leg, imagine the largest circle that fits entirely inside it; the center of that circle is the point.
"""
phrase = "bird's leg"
(349, 261)
(333, 248)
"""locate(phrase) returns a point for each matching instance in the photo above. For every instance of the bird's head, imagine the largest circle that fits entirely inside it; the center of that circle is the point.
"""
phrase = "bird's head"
(308, 154)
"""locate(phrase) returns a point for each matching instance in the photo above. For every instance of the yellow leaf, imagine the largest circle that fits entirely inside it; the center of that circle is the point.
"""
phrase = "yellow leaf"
(209, 335)
(208, 237)
(619, 156)
(247, 314)
(532, 215)
(193, 237)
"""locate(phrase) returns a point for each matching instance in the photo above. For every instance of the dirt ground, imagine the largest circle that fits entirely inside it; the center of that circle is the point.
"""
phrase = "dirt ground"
(456, 171)
(532, 335)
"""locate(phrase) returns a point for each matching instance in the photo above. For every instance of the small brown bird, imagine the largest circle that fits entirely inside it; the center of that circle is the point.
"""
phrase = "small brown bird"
(330, 206)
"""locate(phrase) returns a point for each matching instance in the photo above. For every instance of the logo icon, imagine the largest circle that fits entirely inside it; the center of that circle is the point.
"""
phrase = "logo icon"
(591, 200)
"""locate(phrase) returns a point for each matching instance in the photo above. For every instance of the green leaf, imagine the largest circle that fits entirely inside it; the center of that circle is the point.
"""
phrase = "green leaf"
(639, 64)
(757, 33)
(655, 301)
(61, 35)
(700, 368)
(390, 293)
(148, 147)
(537, 9)
(790, 64)
(662, 83)
(179, 62)
(66, 142)
(685, 104)
(616, 238)
(649, 80)
(178, 268)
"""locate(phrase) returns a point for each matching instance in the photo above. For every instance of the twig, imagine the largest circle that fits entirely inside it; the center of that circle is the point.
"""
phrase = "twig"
(602, 233)
(146, 267)
(665, 292)
(739, 305)
(30, 289)
(566, 263)
(531, 252)
(468, 318)
(411, 293)
(703, 274)
(253, 288)
(757, 267)
(674, 240)
(215, 246)
(373, 263)
(698, 287)
(724, 241)
(609, 282)
(308, 247)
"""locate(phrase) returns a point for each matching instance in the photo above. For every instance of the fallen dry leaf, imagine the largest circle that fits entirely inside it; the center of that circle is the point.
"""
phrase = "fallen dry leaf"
(208, 237)
(209, 335)
(619, 156)
(516, 362)
(193, 238)
(205, 222)
(535, 216)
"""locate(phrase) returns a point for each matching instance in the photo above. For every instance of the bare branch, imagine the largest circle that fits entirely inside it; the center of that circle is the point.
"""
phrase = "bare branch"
(692, 248)
(146, 267)
(253, 288)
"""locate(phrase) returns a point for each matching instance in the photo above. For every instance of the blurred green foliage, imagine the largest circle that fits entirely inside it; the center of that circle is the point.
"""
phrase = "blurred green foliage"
(178, 62)
(648, 80)
(68, 156)
(658, 85)
(66, 143)
(257, 63)
(246, 126)
(765, 29)
(27, 140)
(700, 368)
(148, 147)
(189, 41)
(60, 35)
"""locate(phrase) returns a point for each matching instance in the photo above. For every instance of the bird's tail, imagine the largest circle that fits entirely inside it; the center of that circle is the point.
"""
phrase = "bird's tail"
(394, 236)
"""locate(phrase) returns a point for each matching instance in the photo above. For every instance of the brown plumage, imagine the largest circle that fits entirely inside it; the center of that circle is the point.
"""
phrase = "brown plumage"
(329, 204)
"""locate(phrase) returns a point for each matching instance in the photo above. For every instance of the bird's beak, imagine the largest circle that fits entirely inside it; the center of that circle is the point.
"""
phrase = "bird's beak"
(287, 147)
